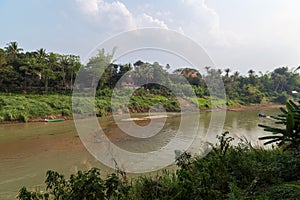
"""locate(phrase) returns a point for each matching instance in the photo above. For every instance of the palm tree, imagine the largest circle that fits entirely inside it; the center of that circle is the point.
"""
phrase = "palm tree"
(227, 79)
(72, 68)
(227, 70)
(63, 65)
(41, 54)
(41, 57)
(236, 75)
(251, 76)
(48, 70)
(251, 72)
(12, 49)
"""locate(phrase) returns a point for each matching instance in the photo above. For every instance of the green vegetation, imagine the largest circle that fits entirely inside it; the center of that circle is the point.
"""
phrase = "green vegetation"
(289, 135)
(227, 172)
(39, 84)
(24, 108)
(37, 71)
(46, 80)
(32, 107)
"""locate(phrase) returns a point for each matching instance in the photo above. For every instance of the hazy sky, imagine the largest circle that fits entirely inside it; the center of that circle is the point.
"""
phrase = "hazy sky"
(240, 34)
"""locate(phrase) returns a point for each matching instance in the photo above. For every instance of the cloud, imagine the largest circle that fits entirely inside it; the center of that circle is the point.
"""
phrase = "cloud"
(89, 7)
(199, 21)
(205, 25)
(109, 16)
(145, 20)
(115, 16)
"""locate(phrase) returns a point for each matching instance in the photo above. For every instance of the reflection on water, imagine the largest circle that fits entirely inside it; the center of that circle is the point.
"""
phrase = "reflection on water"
(27, 151)
(139, 144)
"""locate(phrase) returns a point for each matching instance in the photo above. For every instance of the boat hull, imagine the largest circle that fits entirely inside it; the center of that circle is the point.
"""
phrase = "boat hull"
(54, 120)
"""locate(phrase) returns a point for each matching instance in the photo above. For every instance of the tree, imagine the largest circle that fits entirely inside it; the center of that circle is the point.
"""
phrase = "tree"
(289, 135)
(227, 70)
(72, 69)
(97, 66)
(8, 77)
(137, 74)
(2, 58)
(251, 73)
(12, 49)
(48, 70)
(192, 75)
(41, 54)
(82, 185)
(279, 77)
(28, 69)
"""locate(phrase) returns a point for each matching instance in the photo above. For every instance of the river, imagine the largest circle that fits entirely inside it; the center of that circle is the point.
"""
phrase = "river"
(28, 150)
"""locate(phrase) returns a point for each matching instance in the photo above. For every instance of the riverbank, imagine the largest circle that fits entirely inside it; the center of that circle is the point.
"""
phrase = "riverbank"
(231, 108)
(37, 108)
(254, 107)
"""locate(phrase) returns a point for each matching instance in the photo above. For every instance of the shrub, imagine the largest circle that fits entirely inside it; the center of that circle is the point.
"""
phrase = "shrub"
(289, 134)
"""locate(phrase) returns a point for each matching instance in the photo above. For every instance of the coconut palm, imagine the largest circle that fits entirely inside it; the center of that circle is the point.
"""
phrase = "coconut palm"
(41, 54)
(252, 79)
(227, 70)
(251, 72)
(12, 49)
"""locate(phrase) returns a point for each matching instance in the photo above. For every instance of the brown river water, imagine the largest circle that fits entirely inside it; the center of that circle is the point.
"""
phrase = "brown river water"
(28, 150)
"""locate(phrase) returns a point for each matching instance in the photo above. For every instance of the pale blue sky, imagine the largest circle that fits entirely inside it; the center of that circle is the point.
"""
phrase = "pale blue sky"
(257, 34)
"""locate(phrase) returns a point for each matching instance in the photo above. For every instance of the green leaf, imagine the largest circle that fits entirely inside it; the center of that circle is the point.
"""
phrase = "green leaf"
(272, 141)
(290, 124)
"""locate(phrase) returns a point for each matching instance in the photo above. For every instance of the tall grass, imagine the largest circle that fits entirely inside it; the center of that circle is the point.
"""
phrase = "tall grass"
(23, 108)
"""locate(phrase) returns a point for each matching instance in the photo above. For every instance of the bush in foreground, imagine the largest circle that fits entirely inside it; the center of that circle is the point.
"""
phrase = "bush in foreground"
(227, 172)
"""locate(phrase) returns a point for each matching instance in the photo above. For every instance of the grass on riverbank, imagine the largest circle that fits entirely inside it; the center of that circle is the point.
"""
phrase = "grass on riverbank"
(24, 108)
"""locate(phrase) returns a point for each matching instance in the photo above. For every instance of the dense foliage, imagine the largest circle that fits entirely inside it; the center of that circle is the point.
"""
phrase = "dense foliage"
(42, 72)
(36, 71)
(227, 172)
(47, 81)
(23, 108)
(288, 135)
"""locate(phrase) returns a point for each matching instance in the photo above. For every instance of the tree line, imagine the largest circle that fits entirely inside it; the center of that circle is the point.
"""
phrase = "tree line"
(36, 71)
(39, 72)
(276, 86)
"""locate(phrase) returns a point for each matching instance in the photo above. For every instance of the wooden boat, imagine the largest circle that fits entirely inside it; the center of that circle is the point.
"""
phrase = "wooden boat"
(54, 120)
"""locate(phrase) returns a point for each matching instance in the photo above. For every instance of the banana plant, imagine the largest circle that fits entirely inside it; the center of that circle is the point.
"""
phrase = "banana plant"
(289, 135)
